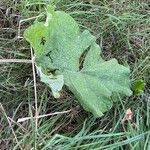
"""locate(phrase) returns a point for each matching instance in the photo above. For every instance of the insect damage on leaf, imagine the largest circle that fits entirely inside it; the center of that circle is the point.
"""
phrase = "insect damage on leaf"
(43, 41)
(82, 57)
(76, 57)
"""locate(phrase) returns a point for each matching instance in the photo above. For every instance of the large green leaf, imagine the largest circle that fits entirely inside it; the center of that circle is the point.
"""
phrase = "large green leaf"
(62, 49)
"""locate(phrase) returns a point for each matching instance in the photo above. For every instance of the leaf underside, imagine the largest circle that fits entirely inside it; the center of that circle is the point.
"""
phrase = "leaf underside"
(62, 49)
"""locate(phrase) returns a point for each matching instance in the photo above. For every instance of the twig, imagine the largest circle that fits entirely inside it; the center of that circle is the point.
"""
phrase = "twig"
(2, 108)
(42, 116)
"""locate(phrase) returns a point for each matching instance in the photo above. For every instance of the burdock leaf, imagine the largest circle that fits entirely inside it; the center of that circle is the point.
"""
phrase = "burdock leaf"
(59, 45)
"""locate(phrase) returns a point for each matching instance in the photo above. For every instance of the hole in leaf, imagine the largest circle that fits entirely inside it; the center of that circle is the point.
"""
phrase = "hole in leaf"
(53, 71)
(49, 55)
(82, 58)
(42, 41)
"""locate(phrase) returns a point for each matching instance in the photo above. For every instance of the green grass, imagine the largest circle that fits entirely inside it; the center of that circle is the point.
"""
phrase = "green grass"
(122, 29)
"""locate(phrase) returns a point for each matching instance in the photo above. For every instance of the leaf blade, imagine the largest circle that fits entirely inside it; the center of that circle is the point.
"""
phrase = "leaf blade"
(97, 80)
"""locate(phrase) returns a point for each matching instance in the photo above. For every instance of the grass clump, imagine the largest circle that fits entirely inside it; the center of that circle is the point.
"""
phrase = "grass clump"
(122, 30)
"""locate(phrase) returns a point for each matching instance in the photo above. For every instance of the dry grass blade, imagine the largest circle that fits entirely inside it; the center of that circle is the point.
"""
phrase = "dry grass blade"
(35, 90)
(41, 116)
(15, 61)
(2, 108)
(25, 20)
(35, 94)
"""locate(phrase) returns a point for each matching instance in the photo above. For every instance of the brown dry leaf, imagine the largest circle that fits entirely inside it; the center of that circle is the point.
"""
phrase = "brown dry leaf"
(128, 116)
